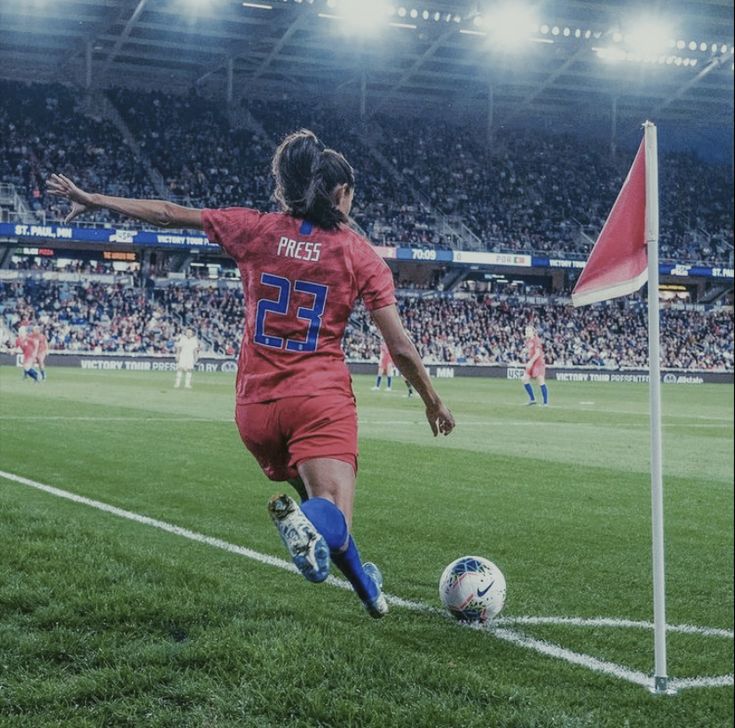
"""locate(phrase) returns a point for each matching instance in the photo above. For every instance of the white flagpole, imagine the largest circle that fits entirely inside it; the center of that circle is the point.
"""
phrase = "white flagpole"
(657, 503)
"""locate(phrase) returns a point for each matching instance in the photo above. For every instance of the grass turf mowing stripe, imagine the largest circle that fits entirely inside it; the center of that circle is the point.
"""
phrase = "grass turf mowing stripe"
(418, 420)
(516, 638)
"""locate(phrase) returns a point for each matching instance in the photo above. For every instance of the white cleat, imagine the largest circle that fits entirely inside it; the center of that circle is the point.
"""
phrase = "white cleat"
(306, 546)
(378, 607)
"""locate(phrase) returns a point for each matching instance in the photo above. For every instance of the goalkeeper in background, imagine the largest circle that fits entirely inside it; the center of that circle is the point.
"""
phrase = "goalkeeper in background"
(187, 353)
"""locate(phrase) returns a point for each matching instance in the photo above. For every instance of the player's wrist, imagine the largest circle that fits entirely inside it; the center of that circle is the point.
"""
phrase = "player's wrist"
(431, 400)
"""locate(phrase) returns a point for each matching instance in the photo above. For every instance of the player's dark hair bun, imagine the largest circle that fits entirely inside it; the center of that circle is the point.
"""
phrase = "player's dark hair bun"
(306, 174)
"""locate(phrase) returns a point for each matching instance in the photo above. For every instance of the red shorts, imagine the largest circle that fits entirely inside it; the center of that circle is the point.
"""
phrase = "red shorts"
(385, 364)
(537, 370)
(284, 432)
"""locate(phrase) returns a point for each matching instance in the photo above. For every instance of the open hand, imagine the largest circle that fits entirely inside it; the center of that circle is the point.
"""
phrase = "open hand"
(440, 419)
(81, 201)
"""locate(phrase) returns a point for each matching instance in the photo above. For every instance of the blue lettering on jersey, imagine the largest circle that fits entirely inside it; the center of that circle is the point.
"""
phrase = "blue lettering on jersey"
(311, 314)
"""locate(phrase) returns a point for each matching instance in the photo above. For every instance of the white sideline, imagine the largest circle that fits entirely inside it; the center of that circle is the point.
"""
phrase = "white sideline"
(496, 630)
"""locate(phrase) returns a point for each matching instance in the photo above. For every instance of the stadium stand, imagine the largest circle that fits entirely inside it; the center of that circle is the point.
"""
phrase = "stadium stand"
(463, 329)
(41, 131)
(527, 191)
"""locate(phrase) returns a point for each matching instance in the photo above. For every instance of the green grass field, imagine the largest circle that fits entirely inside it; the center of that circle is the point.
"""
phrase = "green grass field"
(106, 621)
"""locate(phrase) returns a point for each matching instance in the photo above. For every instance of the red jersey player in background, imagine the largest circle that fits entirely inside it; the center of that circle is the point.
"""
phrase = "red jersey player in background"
(41, 350)
(27, 346)
(535, 367)
(302, 271)
(385, 369)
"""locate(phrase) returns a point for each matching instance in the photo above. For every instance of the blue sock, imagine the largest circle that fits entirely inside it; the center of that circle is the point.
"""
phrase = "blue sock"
(390, 382)
(32, 373)
(545, 393)
(330, 522)
(349, 563)
(529, 389)
(377, 381)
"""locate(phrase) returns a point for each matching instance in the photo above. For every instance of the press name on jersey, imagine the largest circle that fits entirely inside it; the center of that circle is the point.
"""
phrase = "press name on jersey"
(301, 250)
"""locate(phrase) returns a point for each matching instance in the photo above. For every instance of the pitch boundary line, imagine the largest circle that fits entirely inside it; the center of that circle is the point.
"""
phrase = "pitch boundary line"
(508, 635)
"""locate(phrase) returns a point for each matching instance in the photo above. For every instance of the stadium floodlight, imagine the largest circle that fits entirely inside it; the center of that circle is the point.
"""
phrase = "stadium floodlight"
(511, 25)
(648, 36)
(364, 17)
(612, 54)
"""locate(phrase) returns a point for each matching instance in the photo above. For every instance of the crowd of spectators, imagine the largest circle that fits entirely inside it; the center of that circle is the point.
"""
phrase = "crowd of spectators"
(203, 161)
(463, 329)
(90, 317)
(215, 313)
(534, 191)
(484, 330)
(42, 131)
(524, 191)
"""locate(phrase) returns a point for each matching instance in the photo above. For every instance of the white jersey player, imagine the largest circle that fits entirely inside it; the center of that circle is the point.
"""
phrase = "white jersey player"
(187, 353)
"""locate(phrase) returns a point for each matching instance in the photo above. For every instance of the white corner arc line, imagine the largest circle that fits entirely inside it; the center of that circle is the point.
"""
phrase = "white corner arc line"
(511, 636)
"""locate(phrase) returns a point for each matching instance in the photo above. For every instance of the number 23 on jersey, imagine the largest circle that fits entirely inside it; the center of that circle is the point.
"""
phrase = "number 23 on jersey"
(281, 304)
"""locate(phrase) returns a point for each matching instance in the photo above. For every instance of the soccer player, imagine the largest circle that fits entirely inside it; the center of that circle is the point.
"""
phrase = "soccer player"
(535, 367)
(41, 350)
(385, 369)
(302, 270)
(187, 353)
(27, 346)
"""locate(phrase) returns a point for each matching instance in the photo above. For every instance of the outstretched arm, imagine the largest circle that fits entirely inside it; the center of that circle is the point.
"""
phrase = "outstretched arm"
(160, 213)
(408, 361)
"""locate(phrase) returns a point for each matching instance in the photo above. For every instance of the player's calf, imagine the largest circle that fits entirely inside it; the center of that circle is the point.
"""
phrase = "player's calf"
(366, 580)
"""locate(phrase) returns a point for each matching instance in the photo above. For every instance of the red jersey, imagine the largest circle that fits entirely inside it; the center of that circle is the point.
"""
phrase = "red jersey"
(300, 283)
(534, 347)
(27, 346)
(42, 343)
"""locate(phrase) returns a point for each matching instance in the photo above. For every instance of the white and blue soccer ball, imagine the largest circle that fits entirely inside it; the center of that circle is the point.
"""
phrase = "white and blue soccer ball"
(472, 589)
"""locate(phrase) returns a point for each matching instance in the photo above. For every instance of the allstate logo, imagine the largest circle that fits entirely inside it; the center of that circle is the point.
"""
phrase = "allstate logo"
(515, 373)
(669, 378)
(228, 367)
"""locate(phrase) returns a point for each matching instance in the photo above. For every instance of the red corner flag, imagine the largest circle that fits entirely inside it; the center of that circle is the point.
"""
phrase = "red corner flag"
(618, 263)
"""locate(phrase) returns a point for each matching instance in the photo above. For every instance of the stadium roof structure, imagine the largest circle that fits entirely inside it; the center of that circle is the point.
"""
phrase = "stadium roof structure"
(581, 60)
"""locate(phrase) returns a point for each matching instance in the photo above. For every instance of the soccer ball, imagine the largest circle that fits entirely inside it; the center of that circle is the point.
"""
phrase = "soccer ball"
(472, 589)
